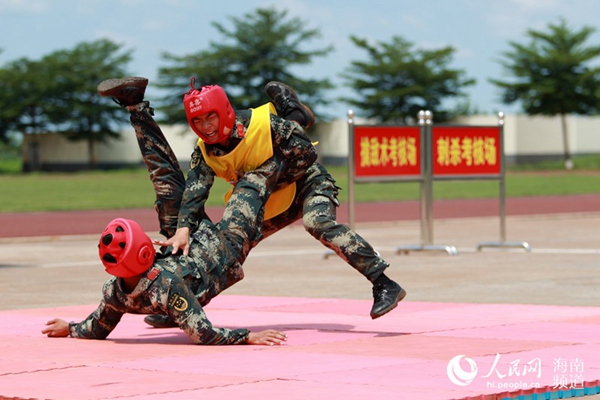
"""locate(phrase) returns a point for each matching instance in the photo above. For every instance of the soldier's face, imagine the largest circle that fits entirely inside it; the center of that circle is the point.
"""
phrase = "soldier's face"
(208, 126)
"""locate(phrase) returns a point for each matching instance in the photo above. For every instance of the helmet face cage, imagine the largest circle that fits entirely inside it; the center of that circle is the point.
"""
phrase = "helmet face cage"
(209, 99)
(124, 248)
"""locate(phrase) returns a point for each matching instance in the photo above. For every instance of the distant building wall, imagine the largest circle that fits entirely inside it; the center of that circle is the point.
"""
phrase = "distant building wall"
(541, 138)
(56, 153)
(526, 139)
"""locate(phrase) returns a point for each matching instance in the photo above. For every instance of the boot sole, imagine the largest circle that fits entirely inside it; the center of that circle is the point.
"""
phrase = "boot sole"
(306, 108)
(401, 295)
(106, 88)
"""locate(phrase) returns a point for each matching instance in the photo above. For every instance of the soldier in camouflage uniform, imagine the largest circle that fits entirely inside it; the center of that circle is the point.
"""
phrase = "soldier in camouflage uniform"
(176, 285)
(313, 198)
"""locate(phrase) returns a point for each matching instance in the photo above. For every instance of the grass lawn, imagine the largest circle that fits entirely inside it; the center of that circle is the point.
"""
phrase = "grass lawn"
(131, 188)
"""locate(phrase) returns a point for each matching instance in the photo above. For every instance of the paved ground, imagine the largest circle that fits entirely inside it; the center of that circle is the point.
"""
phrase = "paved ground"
(562, 268)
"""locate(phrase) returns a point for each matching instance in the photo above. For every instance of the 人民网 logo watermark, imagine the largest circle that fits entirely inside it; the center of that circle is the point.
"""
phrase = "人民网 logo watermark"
(457, 374)
(512, 373)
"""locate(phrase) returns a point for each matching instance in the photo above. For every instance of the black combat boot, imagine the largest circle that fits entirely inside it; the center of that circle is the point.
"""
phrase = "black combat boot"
(286, 103)
(160, 321)
(125, 92)
(386, 296)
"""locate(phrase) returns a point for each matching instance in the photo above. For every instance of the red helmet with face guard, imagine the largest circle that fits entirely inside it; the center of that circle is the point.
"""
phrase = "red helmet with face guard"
(207, 99)
(125, 249)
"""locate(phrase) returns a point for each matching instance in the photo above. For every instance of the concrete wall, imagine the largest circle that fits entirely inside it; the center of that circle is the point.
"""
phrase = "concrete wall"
(525, 139)
(539, 138)
(56, 153)
(333, 138)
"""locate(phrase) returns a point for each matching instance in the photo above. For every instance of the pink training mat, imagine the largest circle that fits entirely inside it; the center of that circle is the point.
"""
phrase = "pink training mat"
(335, 351)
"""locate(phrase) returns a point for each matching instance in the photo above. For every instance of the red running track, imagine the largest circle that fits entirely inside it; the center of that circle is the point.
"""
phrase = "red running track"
(92, 222)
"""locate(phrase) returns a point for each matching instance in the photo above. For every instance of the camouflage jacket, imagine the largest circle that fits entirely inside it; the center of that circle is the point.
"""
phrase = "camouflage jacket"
(290, 145)
(177, 286)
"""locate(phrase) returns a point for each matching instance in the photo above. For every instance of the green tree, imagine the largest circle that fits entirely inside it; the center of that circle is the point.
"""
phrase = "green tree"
(74, 106)
(24, 87)
(58, 93)
(4, 124)
(552, 75)
(262, 46)
(22, 96)
(397, 81)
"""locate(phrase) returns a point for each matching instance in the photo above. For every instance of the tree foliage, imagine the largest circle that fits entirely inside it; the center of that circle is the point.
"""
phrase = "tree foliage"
(58, 93)
(397, 81)
(22, 98)
(262, 46)
(552, 75)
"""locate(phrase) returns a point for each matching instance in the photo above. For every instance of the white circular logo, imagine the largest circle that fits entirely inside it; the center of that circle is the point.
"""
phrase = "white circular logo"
(457, 374)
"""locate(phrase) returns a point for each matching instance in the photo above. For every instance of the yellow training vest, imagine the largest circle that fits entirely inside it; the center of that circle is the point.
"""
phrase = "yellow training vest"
(252, 151)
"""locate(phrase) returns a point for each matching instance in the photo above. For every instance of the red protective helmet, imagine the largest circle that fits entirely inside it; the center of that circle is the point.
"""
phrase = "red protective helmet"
(125, 249)
(211, 98)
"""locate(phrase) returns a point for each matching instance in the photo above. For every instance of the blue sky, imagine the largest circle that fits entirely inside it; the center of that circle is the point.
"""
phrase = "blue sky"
(479, 29)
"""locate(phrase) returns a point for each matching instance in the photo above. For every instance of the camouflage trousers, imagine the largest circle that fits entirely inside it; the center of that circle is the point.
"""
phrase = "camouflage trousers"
(165, 172)
(316, 204)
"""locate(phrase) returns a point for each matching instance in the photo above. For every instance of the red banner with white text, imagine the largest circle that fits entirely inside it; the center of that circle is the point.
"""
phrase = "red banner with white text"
(466, 150)
(387, 151)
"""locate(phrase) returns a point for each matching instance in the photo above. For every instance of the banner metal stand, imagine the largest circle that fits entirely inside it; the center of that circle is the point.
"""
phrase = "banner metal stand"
(444, 169)
(502, 195)
(426, 197)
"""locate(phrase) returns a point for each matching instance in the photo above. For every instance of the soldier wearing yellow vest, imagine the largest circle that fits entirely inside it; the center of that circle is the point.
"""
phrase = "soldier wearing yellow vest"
(235, 142)
(250, 153)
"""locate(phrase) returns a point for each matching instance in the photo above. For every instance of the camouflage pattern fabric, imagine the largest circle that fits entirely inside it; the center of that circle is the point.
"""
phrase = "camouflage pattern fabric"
(315, 202)
(176, 285)
(290, 146)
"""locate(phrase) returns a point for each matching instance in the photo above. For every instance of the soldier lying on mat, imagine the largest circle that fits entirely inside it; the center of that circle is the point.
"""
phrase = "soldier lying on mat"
(178, 285)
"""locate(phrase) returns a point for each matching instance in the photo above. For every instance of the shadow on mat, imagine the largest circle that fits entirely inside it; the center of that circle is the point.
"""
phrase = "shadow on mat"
(326, 328)
(175, 336)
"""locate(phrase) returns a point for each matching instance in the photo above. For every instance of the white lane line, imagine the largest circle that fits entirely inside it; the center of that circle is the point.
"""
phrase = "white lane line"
(516, 250)
(305, 252)
(393, 250)
(71, 264)
(566, 251)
